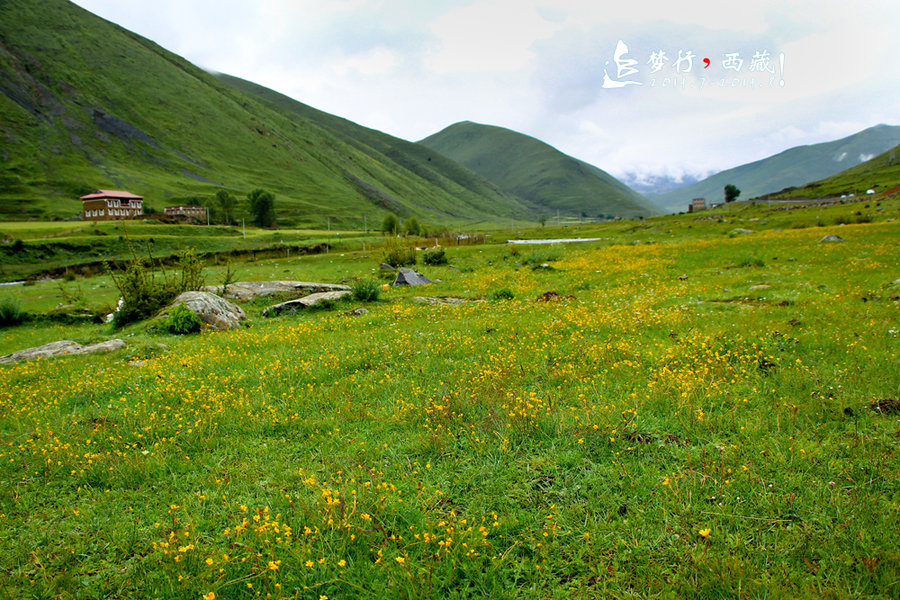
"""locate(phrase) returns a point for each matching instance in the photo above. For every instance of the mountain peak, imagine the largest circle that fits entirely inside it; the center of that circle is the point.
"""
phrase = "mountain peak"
(534, 170)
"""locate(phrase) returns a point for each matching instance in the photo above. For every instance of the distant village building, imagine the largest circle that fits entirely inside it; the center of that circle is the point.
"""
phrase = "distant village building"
(186, 212)
(697, 204)
(111, 205)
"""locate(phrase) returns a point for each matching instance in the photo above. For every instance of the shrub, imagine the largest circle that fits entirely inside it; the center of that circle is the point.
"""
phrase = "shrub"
(539, 257)
(391, 224)
(398, 255)
(192, 277)
(366, 290)
(144, 294)
(434, 256)
(751, 261)
(412, 226)
(502, 294)
(11, 313)
(182, 321)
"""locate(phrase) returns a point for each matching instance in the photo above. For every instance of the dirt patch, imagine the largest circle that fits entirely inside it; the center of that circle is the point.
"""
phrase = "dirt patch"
(646, 438)
(886, 406)
(751, 301)
(552, 297)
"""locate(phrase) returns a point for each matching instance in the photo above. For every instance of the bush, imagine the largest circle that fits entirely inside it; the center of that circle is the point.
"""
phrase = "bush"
(391, 224)
(182, 321)
(751, 261)
(192, 277)
(434, 256)
(366, 290)
(11, 313)
(144, 294)
(412, 226)
(502, 294)
(398, 255)
(539, 257)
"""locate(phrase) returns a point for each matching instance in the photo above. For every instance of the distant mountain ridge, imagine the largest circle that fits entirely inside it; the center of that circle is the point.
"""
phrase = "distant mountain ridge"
(793, 167)
(533, 170)
(651, 186)
(86, 104)
(880, 174)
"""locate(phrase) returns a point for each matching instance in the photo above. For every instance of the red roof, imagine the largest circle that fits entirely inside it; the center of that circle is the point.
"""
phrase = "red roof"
(111, 194)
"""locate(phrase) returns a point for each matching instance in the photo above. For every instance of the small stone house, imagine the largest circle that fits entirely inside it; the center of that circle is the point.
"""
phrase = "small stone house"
(186, 212)
(697, 204)
(111, 205)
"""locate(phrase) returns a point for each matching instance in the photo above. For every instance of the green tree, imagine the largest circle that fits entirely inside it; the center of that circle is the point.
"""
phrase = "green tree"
(391, 224)
(412, 226)
(731, 193)
(543, 220)
(226, 203)
(262, 207)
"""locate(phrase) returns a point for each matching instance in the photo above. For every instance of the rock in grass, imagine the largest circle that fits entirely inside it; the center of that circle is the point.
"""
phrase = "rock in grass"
(215, 312)
(831, 238)
(407, 276)
(61, 348)
(740, 231)
(292, 306)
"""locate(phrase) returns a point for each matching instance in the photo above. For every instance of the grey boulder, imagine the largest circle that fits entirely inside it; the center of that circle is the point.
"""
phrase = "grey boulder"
(215, 312)
(406, 276)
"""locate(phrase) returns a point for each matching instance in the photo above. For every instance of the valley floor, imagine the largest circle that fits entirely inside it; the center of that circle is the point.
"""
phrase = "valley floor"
(691, 414)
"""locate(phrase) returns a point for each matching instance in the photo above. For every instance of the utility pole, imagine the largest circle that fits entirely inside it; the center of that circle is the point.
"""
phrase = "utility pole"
(366, 223)
(243, 228)
(329, 223)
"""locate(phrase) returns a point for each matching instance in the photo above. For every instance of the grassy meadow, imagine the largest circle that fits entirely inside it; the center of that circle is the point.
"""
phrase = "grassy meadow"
(677, 410)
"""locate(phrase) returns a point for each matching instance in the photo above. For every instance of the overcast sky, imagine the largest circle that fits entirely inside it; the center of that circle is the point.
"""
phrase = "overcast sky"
(549, 68)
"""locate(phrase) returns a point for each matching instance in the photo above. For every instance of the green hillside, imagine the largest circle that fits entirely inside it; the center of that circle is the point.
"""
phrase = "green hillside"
(469, 189)
(85, 104)
(793, 167)
(533, 170)
(879, 174)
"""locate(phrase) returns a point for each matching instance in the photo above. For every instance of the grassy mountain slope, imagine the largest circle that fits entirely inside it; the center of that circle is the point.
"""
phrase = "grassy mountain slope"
(468, 188)
(880, 174)
(793, 167)
(85, 104)
(533, 170)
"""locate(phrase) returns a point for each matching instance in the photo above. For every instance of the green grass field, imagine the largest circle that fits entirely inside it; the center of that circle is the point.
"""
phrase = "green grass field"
(689, 415)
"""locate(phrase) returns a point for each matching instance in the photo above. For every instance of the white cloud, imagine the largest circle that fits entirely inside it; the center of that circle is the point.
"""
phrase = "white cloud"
(411, 68)
(489, 35)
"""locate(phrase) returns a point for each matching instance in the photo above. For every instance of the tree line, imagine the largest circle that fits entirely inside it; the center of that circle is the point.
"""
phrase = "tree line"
(259, 206)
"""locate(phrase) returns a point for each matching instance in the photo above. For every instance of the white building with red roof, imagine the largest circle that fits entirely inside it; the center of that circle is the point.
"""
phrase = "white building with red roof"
(109, 205)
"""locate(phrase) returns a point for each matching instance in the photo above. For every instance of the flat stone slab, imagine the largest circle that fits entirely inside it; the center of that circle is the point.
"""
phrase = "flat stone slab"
(831, 238)
(247, 290)
(406, 276)
(61, 348)
(444, 300)
(292, 306)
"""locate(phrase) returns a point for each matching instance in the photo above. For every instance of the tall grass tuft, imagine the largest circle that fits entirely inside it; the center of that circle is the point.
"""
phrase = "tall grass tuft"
(11, 313)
